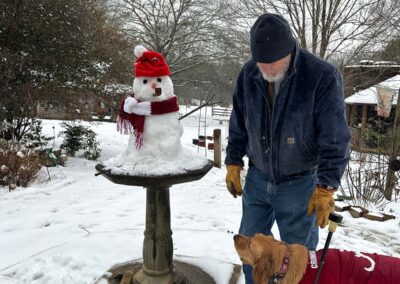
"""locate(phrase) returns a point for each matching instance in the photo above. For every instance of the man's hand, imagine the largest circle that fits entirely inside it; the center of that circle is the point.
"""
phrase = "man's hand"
(233, 180)
(322, 203)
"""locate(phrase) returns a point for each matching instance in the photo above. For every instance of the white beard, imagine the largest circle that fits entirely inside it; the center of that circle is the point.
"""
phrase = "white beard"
(275, 78)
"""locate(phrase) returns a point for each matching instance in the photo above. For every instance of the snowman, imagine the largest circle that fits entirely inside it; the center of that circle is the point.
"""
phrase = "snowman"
(151, 117)
(151, 114)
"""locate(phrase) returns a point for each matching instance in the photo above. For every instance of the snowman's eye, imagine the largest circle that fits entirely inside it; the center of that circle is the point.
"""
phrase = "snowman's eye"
(159, 80)
(144, 81)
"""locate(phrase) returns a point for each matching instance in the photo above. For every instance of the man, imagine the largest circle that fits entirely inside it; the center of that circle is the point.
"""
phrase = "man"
(289, 119)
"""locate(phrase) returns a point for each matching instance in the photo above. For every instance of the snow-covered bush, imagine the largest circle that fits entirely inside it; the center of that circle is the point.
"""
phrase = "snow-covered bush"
(78, 137)
(18, 166)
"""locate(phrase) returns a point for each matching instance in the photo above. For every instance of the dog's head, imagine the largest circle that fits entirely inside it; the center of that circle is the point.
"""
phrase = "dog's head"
(262, 252)
(252, 249)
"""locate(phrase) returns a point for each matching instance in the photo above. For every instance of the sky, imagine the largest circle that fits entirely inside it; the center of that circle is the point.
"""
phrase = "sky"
(76, 226)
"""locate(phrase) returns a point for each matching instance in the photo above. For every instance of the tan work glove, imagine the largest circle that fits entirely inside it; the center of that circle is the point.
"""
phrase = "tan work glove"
(233, 180)
(322, 203)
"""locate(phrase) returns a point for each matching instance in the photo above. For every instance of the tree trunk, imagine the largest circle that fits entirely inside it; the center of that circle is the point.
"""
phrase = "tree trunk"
(390, 178)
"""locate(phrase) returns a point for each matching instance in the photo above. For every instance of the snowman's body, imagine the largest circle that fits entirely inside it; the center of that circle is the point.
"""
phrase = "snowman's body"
(161, 138)
(162, 132)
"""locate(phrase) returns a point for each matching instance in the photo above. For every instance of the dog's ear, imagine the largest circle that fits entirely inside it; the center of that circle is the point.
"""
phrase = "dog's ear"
(268, 258)
(262, 270)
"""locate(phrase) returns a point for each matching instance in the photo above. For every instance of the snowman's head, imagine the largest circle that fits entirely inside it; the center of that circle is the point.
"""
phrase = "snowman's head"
(153, 88)
(152, 81)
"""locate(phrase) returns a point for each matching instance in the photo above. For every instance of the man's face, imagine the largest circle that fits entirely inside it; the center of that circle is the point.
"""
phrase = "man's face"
(275, 71)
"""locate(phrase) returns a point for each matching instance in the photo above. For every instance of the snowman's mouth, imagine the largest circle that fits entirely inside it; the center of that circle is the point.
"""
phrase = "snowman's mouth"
(157, 92)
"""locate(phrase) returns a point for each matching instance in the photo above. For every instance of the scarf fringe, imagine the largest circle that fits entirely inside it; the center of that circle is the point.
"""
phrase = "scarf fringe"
(124, 126)
(139, 140)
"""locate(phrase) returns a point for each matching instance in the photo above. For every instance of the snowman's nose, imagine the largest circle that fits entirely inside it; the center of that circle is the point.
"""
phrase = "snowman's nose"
(153, 85)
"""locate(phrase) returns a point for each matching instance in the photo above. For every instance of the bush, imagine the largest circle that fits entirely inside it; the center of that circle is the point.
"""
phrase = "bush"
(27, 131)
(378, 133)
(34, 137)
(78, 137)
(18, 166)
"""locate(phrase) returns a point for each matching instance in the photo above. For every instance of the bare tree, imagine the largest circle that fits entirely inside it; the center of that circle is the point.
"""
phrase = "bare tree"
(390, 14)
(187, 32)
(391, 51)
(330, 28)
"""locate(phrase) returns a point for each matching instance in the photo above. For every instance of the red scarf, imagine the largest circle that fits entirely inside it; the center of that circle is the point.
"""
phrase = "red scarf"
(128, 123)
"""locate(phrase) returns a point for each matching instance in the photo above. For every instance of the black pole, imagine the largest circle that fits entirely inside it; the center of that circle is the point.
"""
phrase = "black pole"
(328, 240)
(334, 220)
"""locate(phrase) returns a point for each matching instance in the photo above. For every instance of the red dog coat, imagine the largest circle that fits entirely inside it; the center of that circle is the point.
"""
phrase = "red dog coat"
(344, 267)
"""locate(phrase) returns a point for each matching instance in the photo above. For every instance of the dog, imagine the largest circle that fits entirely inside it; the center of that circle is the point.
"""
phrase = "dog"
(294, 263)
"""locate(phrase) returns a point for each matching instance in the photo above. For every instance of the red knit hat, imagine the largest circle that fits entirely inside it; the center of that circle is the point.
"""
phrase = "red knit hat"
(150, 63)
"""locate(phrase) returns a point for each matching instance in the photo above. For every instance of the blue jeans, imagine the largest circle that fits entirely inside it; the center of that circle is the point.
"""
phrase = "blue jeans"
(264, 202)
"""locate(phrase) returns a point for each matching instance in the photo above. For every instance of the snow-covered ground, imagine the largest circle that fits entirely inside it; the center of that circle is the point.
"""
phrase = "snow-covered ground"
(73, 228)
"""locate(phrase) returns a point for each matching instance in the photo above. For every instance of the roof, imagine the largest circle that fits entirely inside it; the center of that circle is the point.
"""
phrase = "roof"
(368, 96)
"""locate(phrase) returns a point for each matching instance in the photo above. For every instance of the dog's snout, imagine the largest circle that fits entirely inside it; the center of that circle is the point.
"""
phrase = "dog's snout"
(236, 237)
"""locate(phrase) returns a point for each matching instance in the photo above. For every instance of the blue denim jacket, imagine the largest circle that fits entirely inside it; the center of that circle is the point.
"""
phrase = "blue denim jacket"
(305, 130)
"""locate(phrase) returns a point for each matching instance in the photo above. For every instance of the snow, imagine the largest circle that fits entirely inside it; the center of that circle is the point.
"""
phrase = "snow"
(369, 95)
(372, 64)
(183, 161)
(367, 62)
(75, 227)
(118, 89)
(357, 209)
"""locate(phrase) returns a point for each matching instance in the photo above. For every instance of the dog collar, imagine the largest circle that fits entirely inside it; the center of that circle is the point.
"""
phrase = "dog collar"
(276, 277)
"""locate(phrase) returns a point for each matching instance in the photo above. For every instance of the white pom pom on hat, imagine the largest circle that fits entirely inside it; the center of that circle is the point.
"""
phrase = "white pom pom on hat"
(139, 50)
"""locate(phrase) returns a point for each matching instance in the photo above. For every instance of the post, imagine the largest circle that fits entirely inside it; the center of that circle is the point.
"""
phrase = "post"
(217, 148)
(353, 111)
(363, 123)
(390, 178)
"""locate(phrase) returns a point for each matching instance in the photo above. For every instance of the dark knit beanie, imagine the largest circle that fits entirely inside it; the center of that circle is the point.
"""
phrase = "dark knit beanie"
(271, 38)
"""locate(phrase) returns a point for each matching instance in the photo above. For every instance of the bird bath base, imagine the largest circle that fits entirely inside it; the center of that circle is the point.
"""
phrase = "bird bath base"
(157, 246)
(183, 273)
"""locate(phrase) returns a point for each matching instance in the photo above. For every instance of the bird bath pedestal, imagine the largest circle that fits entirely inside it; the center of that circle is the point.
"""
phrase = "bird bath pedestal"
(157, 246)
